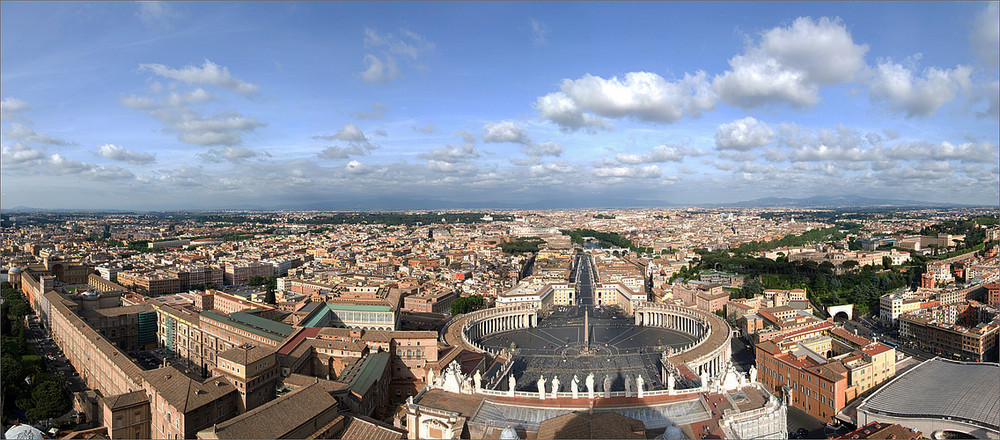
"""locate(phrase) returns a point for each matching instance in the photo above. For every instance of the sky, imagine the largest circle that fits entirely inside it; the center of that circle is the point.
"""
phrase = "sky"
(230, 105)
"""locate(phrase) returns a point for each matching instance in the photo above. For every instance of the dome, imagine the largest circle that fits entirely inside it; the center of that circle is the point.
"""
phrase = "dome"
(89, 294)
(14, 270)
(673, 432)
(509, 434)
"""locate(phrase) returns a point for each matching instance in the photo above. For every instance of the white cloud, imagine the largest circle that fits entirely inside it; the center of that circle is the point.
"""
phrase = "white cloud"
(196, 96)
(550, 168)
(993, 97)
(378, 71)
(230, 154)
(982, 152)
(349, 133)
(382, 68)
(451, 153)
(659, 153)
(19, 155)
(505, 131)
(790, 63)
(429, 128)
(378, 110)
(25, 134)
(122, 154)
(985, 35)
(640, 95)
(743, 134)
(208, 73)
(338, 152)
(643, 172)
(539, 31)
(153, 13)
(355, 167)
(409, 43)
(213, 130)
(445, 167)
(61, 165)
(917, 95)
(11, 107)
(543, 149)
(559, 108)
(175, 108)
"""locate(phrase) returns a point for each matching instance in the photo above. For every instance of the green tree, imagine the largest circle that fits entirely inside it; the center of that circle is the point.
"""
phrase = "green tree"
(886, 262)
(13, 373)
(50, 400)
(269, 295)
(751, 288)
(256, 280)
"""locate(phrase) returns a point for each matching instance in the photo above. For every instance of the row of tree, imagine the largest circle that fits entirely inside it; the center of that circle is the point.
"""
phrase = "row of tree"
(466, 304)
(29, 393)
(524, 245)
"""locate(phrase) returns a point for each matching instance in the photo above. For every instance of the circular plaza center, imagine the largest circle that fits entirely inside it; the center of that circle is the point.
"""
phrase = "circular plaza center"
(579, 340)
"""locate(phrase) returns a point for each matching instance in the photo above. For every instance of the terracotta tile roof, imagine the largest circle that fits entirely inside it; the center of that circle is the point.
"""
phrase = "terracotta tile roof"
(246, 354)
(359, 426)
(182, 392)
(282, 416)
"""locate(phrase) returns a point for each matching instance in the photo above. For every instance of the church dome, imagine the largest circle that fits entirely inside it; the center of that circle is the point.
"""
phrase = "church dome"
(673, 432)
(509, 434)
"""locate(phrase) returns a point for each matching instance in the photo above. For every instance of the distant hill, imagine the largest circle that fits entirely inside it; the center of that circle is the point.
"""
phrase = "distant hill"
(838, 201)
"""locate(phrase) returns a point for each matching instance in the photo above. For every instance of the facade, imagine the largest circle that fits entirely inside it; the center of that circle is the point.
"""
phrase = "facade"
(127, 415)
(457, 407)
(252, 370)
(959, 331)
(150, 283)
(821, 368)
(238, 274)
(182, 405)
(993, 294)
(430, 302)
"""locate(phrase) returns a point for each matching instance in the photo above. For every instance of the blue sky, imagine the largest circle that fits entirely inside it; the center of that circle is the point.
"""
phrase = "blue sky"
(228, 105)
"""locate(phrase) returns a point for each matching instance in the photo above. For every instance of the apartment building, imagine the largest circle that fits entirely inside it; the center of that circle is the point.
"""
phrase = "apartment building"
(183, 405)
(821, 367)
(960, 331)
(239, 273)
(253, 370)
(435, 301)
(150, 283)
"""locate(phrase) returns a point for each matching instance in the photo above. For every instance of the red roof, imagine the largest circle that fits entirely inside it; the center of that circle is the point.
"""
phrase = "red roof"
(307, 332)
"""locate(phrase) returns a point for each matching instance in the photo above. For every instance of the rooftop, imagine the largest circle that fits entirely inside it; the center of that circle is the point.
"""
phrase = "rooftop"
(968, 391)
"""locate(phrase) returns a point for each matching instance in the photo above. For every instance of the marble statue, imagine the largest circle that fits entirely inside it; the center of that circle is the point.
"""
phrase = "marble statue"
(541, 387)
(607, 386)
(590, 385)
(430, 376)
(671, 382)
(511, 383)
(753, 373)
(575, 387)
(478, 379)
(639, 381)
(555, 386)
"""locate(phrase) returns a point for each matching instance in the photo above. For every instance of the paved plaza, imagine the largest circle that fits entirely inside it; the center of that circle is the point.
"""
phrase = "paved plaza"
(556, 348)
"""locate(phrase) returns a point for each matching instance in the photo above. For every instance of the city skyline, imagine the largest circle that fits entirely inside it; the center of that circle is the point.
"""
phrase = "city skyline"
(248, 105)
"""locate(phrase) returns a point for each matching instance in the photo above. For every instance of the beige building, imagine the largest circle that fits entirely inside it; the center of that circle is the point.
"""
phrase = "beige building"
(252, 370)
